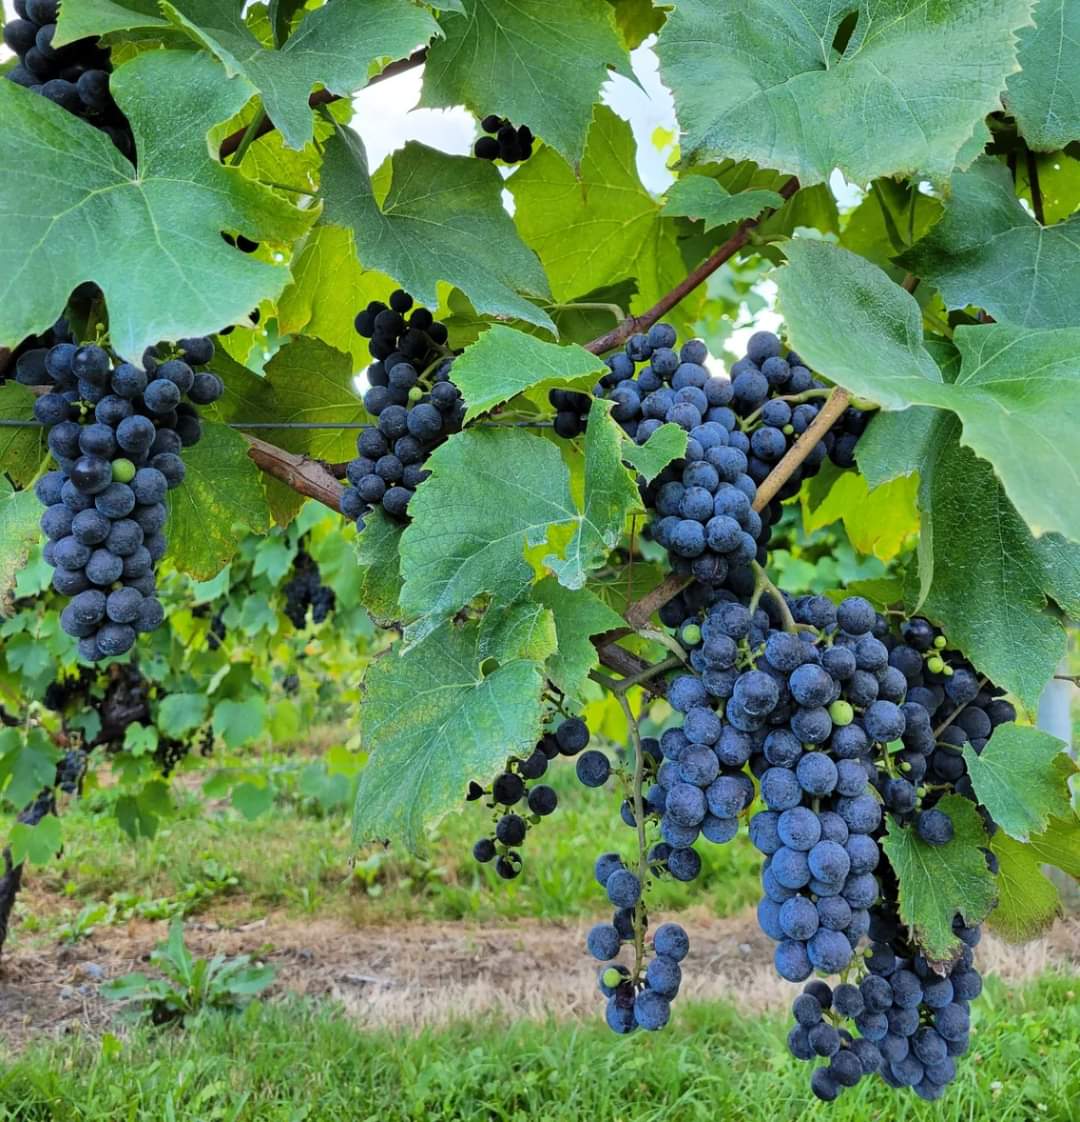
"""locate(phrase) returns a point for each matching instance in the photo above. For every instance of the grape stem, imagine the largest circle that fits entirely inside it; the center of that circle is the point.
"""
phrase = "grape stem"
(639, 819)
(791, 399)
(640, 611)
(640, 677)
(250, 133)
(956, 712)
(762, 584)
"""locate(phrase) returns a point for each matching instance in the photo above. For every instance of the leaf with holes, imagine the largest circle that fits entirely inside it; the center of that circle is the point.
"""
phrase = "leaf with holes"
(435, 717)
(939, 881)
(765, 82)
(67, 191)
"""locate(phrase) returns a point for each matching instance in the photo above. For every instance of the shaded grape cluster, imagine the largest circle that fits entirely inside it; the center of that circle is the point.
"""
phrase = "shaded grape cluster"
(518, 802)
(116, 431)
(74, 76)
(504, 141)
(304, 590)
(415, 403)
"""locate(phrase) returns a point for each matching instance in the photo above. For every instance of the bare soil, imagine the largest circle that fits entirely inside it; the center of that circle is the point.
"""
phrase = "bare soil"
(416, 975)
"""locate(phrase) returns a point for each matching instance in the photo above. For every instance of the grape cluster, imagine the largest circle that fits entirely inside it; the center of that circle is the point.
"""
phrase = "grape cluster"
(504, 142)
(416, 404)
(74, 76)
(304, 590)
(116, 432)
(517, 783)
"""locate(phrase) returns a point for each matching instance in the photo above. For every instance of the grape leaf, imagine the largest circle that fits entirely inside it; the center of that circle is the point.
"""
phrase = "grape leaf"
(1029, 901)
(222, 491)
(596, 225)
(432, 720)
(1017, 388)
(939, 881)
(579, 614)
(1045, 96)
(181, 713)
(503, 363)
(20, 513)
(988, 251)
(543, 64)
(67, 191)
(456, 232)
(983, 576)
(240, 722)
(333, 47)
(762, 82)
(378, 558)
(611, 493)
(525, 627)
(38, 843)
(667, 443)
(27, 764)
(701, 197)
(252, 799)
(86, 19)
(1018, 779)
(21, 449)
(636, 20)
(878, 522)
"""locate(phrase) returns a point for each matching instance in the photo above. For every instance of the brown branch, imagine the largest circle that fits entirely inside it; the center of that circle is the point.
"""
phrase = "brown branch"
(640, 611)
(301, 473)
(910, 283)
(324, 97)
(632, 324)
(629, 666)
(836, 403)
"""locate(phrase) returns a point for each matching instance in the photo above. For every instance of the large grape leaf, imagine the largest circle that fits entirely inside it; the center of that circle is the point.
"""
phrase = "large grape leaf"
(378, 557)
(984, 577)
(1020, 780)
(700, 196)
(538, 63)
(441, 220)
(432, 720)
(22, 449)
(1017, 391)
(503, 363)
(939, 881)
(66, 192)
(84, 19)
(220, 499)
(988, 251)
(1045, 96)
(19, 515)
(579, 614)
(1028, 900)
(763, 81)
(595, 225)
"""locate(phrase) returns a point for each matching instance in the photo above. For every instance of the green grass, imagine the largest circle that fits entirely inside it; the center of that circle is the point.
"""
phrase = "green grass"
(301, 861)
(288, 1063)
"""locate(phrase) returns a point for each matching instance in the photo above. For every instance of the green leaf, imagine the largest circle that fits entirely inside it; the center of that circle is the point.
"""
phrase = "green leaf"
(433, 721)
(700, 196)
(878, 522)
(596, 225)
(939, 881)
(333, 47)
(1028, 899)
(988, 251)
(1017, 388)
(91, 18)
(611, 493)
(222, 490)
(27, 764)
(1018, 779)
(252, 800)
(527, 46)
(984, 578)
(762, 82)
(649, 459)
(378, 558)
(240, 722)
(22, 450)
(37, 844)
(459, 233)
(503, 363)
(526, 627)
(20, 513)
(1045, 96)
(67, 191)
(579, 614)
(181, 713)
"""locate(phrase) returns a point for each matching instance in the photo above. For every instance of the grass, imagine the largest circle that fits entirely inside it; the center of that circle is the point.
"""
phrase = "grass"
(300, 860)
(290, 1063)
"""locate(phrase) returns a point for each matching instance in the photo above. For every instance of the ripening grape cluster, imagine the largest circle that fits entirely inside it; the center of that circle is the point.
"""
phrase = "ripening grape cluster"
(516, 785)
(416, 406)
(74, 76)
(304, 590)
(116, 431)
(503, 142)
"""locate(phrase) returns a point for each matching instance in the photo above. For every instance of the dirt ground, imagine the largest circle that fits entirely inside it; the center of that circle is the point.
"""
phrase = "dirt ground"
(427, 974)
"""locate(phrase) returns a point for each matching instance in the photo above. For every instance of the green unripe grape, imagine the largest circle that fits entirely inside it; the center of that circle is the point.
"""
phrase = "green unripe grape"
(611, 977)
(905, 766)
(691, 635)
(841, 713)
(939, 642)
(935, 664)
(123, 471)
(947, 671)
(415, 394)
(787, 430)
